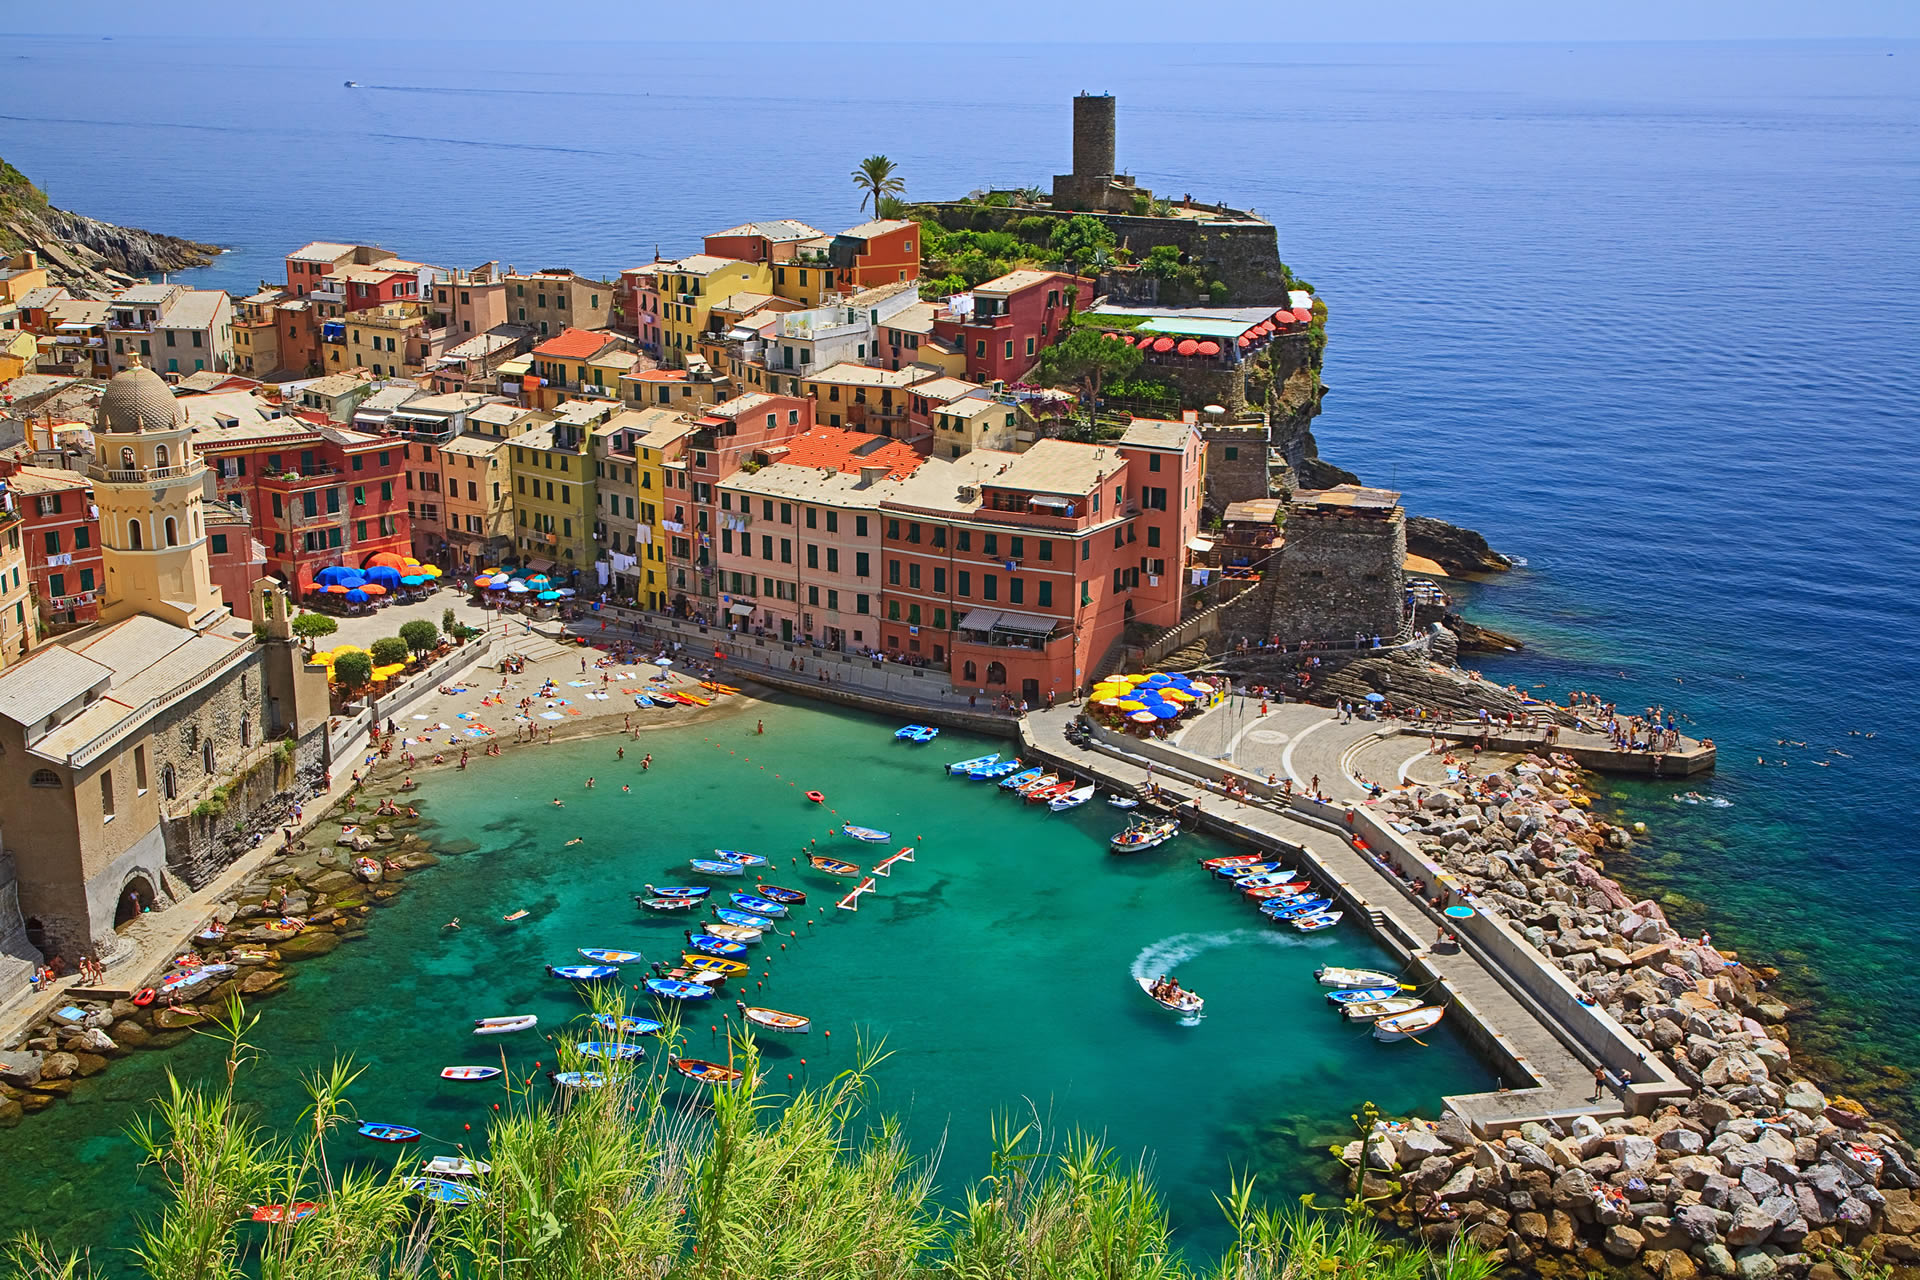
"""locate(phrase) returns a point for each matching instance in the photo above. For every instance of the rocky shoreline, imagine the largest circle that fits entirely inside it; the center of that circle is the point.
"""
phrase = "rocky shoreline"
(1758, 1174)
(85, 253)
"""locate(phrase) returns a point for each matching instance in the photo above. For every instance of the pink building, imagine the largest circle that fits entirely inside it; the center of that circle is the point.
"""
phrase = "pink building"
(800, 538)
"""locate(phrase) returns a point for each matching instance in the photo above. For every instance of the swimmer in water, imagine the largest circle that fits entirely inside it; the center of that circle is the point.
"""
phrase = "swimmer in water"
(576, 840)
(558, 803)
(452, 924)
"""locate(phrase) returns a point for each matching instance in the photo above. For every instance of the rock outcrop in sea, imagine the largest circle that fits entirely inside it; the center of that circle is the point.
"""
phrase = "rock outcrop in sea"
(83, 253)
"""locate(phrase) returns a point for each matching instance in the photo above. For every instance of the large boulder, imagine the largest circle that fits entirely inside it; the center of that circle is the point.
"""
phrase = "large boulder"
(1804, 1098)
(1623, 1242)
(314, 942)
(58, 1066)
(1528, 1156)
(129, 1034)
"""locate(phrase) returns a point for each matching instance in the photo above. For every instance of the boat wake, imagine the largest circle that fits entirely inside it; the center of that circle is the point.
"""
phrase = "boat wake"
(1169, 954)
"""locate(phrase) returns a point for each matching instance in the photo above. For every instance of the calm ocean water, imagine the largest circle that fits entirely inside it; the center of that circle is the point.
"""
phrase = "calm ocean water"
(1645, 315)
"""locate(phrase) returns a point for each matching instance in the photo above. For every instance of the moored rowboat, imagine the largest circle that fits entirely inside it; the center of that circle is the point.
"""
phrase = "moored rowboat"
(584, 972)
(714, 867)
(761, 906)
(468, 1073)
(743, 859)
(708, 943)
(869, 834)
(832, 866)
(286, 1212)
(1360, 995)
(776, 893)
(504, 1024)
(675, 891)
(389, 1133)
(774, 1019)
(733, 932)
(609, 1049)
(1332, 976)
(1401, 1026)
(624, 1026)
(608, 955)
(705, 1072)
(672, 989)
(1373, 1010)
(456, 1167)
(746, 918)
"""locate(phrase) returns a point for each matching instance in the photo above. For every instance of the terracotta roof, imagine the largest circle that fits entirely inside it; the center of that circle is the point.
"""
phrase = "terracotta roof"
(849, 451)
(574, 344)
(655, 375)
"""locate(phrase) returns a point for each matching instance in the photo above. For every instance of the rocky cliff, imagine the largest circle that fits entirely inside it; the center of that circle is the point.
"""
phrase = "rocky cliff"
(85, 253)
(1457, 550)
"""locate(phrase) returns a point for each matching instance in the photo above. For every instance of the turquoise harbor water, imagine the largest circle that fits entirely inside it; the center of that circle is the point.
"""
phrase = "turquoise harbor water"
(997, 969)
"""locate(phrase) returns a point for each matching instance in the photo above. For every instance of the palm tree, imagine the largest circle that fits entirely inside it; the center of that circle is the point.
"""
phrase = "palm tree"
(875, 177)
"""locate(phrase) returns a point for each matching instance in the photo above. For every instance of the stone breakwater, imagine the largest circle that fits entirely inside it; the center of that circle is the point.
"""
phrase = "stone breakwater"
(1758, 1173)
(320, 889)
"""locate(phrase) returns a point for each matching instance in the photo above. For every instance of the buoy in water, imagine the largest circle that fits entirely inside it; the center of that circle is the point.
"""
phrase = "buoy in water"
(816, 797)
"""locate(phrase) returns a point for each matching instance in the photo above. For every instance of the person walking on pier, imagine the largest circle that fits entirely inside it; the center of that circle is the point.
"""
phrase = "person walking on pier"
(1599, 1084)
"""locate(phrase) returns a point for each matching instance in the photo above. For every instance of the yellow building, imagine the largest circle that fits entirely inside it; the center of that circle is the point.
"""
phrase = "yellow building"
(20, 275)
(578, 362)
(862, 397)
(19, 350)
(390, 340)
(655, 436)
(689, 289)
(553, 490)
(16, 589)
(808, 276)
(479, 499)
(979, 420)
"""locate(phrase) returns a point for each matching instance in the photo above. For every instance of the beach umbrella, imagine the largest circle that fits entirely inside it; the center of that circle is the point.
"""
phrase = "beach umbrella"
(1188, 347)
(1131, 705)
(408, 560)
(518, 588)
(372, 589)
(1209, 348)
(1157, 681)
(384, 574)
(357, 596)
(1303, 314)
(1179, 695)
(429, 570)
(1109, 703)
(334, 573)
(481, 580)
(664, 662)
(566, 591)
(1201, 686)
(501, 583)
(387, 559)
(548, 595)
(1163, 345)
(1143, 717)
(1165, 711)
(413, 580)
(337, 590)
(539, 580)
(1375, 697)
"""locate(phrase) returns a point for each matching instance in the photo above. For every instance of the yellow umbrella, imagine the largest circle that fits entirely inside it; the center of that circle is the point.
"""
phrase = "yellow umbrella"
(1107, 702)
(1134, 679)
(1131, 705)
(1178, 695)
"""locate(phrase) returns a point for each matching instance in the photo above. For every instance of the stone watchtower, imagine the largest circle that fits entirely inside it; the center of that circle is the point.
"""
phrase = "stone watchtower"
(1340, 573)
(1094, 183)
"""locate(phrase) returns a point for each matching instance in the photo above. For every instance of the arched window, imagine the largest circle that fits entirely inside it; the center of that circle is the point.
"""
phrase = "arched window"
(45, 778)
(127, 462)
(996, 673)
(133, 534)
(206, 754)
(169, 782)
(173, 534)
(970, 673)
(159, 455)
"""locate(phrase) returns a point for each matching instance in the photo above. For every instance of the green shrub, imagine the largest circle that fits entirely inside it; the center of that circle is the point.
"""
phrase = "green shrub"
(420, 635)
(388, 650)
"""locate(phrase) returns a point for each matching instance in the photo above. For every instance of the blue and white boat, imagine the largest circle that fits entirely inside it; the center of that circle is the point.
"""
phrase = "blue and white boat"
(738, 858)
(745, 919)
(716, 946)
(577, 1079)
(1264, 880)
(1021, 778)
(674, 891)
(759, 906)
(627, 1026)
(389, 1132)
(1245, 869)
(1361, 995)
(911, 732)
(611, 1050)
(869, 834)
(927, 734)
(674, 989)
(968, 766)
(715, 867)
(442, 1191)
(609, 955)
(1293, 908)
(584, 972)
(995, 771)
(1315, 923)
(1072, 800)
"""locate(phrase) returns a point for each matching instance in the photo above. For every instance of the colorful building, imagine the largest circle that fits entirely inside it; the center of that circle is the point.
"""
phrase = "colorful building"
(576, 363)
(861, 397)
(688, 289)
(61, 530)
(1002, 326)
(170, 328)
(551, 467)
(17, 623)
(799, 538)
(478, 501)
(391, 339)
(548, 302)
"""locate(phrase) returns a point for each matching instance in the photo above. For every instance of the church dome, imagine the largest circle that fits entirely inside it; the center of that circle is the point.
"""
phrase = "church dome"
(138, 399)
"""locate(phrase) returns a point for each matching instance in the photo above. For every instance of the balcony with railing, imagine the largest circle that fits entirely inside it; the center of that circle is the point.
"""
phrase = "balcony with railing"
(141, 475)
(307, 476)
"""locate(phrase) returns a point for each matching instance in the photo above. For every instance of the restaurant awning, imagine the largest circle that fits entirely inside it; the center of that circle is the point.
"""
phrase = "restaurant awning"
(1026, 624)
(1200, 544)
(540, 566)
(742, 609)
(980, 620)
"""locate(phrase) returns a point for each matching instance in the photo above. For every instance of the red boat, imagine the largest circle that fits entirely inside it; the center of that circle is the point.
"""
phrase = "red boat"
(1237, 860)
(1043, 794)
(285, 1212)
(1279, 890)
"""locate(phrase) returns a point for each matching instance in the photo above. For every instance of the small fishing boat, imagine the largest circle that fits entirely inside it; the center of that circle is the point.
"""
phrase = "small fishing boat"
(1361, 995)
(733, 932)
(714, 946)
(668, 904)
(760, 906)
(719, 966)
(705, 1072)
(389, 1132)
(1040, 783)
(777, 893)
(608, 955)
(911, 732)
(675, 891)
(295, 1212)
(468, 1073)
(1014, 781)
(1239, 869)
(714, 867)
(1185, 1002)
(832, 866)
(440, 1191)
(1072, 800)
(774, 1019)
(1048, 794)
(1265, 880)
(727, 915)
(869, 834)
(624, 1026)
(1293, 888)
(1402, 1026)
(1295, 908)
(502, 1025)
(1123, 802)
(1216, 865)
(521, 914)
(584, 972)
(456, 1167)
(1316, 922)
(353, 84)
(995, 771)
(577, 1079)
(968, 766)
(1332, 976)
(702, 977)
(742, 859)
(673, 989)
(612, 1051)
(1143, 836)
(1374, 1010)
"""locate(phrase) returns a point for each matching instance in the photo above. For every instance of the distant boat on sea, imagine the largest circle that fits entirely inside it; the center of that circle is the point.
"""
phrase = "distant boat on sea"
(353, 84)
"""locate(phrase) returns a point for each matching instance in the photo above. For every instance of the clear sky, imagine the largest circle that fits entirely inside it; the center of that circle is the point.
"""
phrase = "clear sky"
(988, 20)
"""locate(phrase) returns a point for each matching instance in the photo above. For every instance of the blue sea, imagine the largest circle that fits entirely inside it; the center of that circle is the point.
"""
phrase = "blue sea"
(1645, 315)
